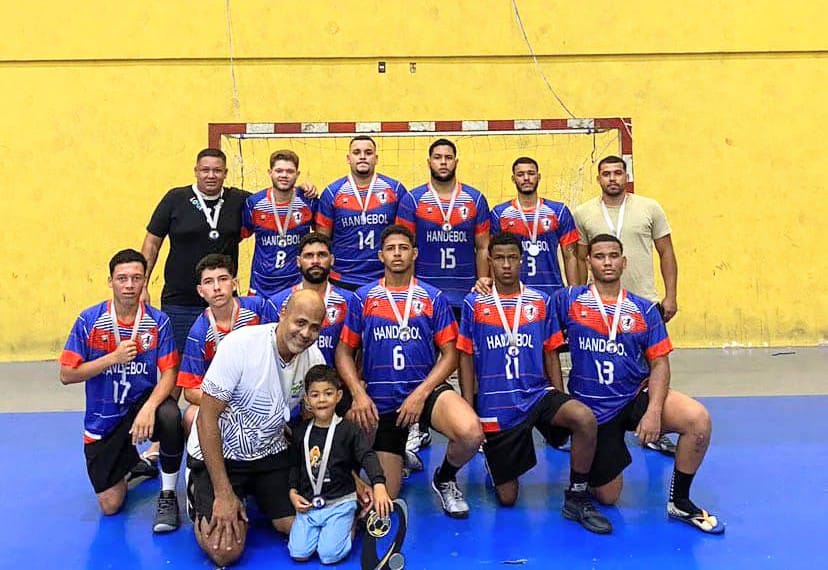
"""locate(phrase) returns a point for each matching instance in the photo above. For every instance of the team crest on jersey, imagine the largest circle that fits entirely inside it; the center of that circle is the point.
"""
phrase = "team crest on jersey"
(262, 216)
(486, 312)
(297, 217)
(146, 341)
(418, 307)
(464, 212)
(511, 224)
(383, 197)
(530, 312)
(333, 313)
(429, 210)
(546, 223)
(627, 323)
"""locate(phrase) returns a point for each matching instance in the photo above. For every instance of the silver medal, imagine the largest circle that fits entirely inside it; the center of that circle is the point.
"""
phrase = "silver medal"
(612, 346)
(533, 249)
(405, 334)
(318, 502)
(213, 235)
(513, 350)
(281, 241)
(446, 227)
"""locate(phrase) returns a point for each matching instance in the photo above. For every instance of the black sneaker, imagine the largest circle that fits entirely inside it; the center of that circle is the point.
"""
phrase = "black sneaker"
(663, 445)
(166, 515)
(144, 470)
(699, 518)
(578, 507)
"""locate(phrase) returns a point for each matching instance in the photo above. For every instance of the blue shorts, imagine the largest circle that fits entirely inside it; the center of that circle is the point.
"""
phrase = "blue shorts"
(326, 531)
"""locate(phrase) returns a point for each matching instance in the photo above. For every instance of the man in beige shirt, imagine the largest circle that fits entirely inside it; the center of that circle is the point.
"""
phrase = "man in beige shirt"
(640, 223)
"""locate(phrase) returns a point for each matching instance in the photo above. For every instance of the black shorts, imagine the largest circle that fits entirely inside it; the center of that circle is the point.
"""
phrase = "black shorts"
(391, 438)
(611, 453)
(109, 459)
(266, 479)
(511, 453)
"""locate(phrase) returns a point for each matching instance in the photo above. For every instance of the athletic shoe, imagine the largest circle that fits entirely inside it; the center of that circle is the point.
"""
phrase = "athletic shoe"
(166, 515)
(425, 439)
(701, 519)
(578, 507)
(412, 461)
(663, 445)
(451, 498)
(142, 471)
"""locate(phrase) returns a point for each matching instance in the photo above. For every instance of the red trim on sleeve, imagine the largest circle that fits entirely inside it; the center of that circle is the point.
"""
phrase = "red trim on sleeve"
(482, 228)
(405, 223)
(87, 440)
(349, 337)
(571, 237)
(448, 334)
(662, 348)
(168, 361)
(554, 341)
(70, 358)
(245, 233)
(464, 344)
(188, 380)
(323, 221)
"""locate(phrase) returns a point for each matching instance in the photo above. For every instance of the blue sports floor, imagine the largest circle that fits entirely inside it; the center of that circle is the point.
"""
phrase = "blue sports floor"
(766, 475)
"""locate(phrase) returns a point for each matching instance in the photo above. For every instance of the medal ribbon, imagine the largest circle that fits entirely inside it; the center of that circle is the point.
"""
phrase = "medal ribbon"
(363, 205)
(214, 326)
(613, 230)
(280, 229)
(511, 334)
(613, 331)
(445, 213)
(212, 220)
(533, 231)
(139, 314)
(402, 321)
(319, 480)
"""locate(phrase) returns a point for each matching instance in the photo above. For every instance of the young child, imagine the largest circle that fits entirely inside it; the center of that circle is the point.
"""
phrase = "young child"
(323, 491)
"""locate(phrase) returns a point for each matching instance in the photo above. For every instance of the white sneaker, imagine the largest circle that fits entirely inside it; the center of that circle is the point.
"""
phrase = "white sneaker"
(413, 442)
(451, 498)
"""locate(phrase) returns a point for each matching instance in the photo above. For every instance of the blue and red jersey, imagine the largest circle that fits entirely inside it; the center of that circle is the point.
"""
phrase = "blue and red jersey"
(356, 244)
(274, 266)
(392, 369)
(336, 308)
(202, 342)
(602, 379)
(110, 394)
(508, 386)
(446, 258)
(555, 226)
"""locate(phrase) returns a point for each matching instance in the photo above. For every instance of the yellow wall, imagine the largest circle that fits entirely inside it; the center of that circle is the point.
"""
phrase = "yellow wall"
(104, 106)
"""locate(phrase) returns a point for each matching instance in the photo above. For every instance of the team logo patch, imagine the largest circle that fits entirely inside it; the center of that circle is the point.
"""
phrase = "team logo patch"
(146, 341)
(511, 224)
(429, 210)
(262, 216)
(464, 212)
(530, 312)
(627, 323)
(418, 307)
(333, 313)
(383, 198)
(297, 217)
(546, 223)
(486, 312)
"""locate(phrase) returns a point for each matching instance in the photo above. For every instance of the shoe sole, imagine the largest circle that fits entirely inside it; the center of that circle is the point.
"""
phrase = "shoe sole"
(574, 517)
(164, 527)
(463, 515)
(661, 450)
(718, 530)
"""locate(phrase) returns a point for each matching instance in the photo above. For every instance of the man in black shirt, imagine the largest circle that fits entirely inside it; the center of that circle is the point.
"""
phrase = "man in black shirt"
(202, 218)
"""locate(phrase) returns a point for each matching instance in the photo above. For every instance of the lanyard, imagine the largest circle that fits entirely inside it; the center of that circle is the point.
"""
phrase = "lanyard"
(212, 219)
(285, 389)
(281, 229)
(511, 333)
(613, 330)
(363, 205)
(533, 231)
(214, 326)
(319, 480)
(613, 230)
(402, 321)
(115, 329)
(445, 213)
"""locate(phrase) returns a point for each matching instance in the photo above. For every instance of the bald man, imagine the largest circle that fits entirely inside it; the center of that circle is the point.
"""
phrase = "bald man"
(238, 448)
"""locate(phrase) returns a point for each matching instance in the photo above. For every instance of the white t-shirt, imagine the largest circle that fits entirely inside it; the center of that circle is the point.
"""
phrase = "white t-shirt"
(260, 391)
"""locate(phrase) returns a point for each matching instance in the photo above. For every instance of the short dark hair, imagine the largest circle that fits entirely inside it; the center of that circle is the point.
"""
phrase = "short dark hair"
(525, 160)
(215, 261)
(396, 230)
(362, 138)
(612, 159)
(601, 238)
(214, 152)
(322, 373)
(314, 237)
(284, 154)
(505, 238)
(127, 256)
(442, 142)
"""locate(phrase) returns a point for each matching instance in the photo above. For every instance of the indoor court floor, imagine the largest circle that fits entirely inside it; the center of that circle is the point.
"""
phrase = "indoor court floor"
(765, 475)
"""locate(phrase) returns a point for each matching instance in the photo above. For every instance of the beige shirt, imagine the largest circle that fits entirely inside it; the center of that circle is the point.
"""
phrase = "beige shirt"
(644, 222)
